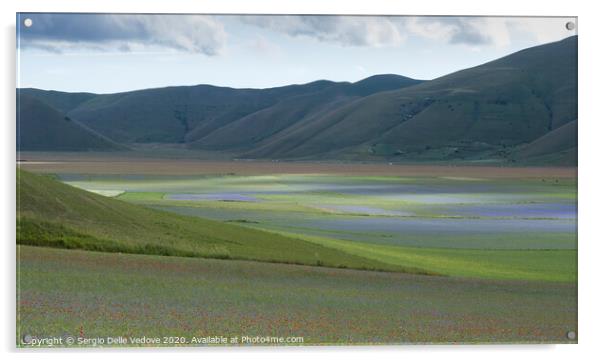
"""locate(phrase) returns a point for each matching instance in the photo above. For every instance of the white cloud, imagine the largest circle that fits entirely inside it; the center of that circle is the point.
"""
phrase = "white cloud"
(343, 30)
(207, 35)
(543, 30)
(262, 46)
(474, 31)
(377, 31)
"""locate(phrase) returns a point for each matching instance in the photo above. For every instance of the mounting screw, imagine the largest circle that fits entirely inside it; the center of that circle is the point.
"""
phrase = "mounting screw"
(570, 25)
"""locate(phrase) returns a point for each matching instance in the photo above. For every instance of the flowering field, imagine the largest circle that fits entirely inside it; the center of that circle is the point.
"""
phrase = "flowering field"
(521, 228)
(353, 258)
(98, 295)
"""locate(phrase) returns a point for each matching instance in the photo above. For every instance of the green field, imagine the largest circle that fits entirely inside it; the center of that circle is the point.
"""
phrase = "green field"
(56, 215)
(366, 216)
(70, 292)
(467, 259)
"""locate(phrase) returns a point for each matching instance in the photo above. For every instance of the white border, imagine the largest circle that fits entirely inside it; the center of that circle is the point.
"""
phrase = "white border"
(590, 132)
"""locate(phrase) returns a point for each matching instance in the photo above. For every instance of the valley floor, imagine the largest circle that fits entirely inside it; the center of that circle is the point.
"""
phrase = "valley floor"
(502, 242)
(196, 164)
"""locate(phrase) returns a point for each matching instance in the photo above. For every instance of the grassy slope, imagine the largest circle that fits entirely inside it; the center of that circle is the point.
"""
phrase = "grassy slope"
(472, 112)
(248, 132)
(177, 114)
(61, 101)
(561, 142)
(102, 294)
(488, 262)
(541, 265)
(41, 127)
(54, 214)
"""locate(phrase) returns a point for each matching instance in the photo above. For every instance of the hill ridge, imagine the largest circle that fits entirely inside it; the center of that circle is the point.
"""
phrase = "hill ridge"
(479, 114)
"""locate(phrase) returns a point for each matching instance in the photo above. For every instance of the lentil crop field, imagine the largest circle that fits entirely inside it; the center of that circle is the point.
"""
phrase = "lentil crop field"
(502, 244)
(97, 295)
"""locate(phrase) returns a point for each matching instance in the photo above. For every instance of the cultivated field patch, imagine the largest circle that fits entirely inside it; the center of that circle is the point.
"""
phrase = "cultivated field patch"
(69, 292)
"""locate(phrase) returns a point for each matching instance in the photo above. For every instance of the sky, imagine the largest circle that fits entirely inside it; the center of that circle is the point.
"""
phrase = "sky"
(108, 53)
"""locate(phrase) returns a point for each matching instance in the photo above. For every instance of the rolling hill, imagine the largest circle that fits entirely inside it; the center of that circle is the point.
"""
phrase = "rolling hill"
(488, 113)
(41, 127)
(247, 131)
(177, 114)
(471, 113)
(53, 214)
(561, 144)
(62, 101)
(186, 114)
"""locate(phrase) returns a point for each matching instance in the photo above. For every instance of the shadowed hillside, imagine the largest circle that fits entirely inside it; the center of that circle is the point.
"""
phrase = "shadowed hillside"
(41, 127)
(489, 113)
(61, 101)
(473, 113)
(246, 132)
(177, 114)
(559, 144)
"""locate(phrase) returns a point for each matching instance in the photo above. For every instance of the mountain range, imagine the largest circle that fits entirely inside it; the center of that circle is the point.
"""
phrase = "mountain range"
(519, 108)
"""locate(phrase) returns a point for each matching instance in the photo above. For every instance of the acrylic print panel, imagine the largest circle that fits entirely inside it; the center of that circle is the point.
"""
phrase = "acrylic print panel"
(194, 180)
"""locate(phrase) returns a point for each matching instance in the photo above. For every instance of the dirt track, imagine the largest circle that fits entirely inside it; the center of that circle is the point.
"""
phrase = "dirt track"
(98, 164)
